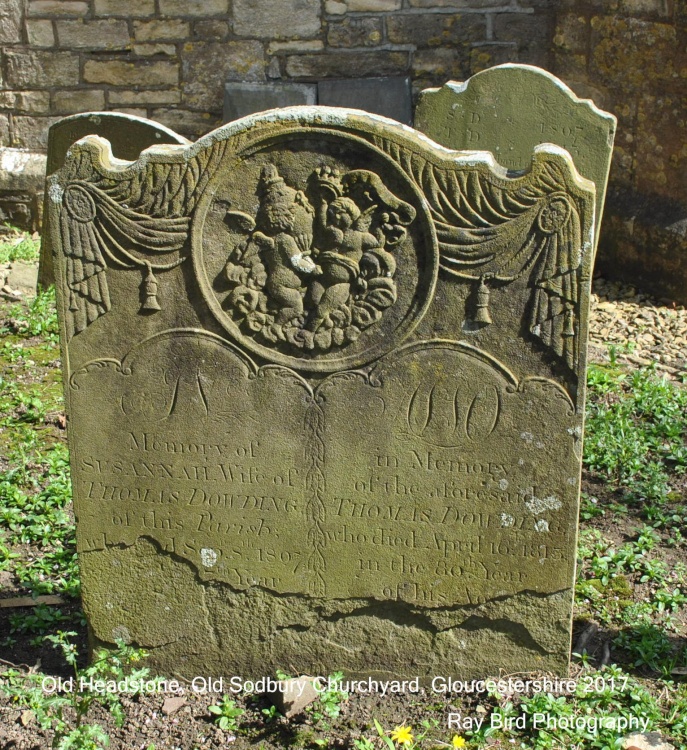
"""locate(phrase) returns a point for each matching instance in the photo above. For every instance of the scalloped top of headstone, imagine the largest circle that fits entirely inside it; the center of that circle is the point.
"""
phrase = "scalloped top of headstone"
(510, 109)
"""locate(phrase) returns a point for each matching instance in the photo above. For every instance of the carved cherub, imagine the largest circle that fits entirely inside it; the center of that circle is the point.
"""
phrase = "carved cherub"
(283, 234)
(344, 245)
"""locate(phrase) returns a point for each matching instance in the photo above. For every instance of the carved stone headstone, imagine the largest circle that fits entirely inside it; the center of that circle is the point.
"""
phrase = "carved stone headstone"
(241, 99)
(509, 109)
(389, 96)
(128, 136)
(325, 386)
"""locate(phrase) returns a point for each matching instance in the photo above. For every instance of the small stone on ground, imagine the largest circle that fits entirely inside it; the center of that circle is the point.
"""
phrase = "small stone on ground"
(295, 695)
(650, 741)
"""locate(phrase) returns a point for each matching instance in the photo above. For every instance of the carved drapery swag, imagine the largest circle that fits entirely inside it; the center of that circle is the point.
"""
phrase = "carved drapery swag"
(492, 236)
(131, 221)
(490, 231)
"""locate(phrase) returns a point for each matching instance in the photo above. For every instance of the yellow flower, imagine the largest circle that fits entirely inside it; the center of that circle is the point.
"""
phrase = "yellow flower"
(457, 741)
(402, 735)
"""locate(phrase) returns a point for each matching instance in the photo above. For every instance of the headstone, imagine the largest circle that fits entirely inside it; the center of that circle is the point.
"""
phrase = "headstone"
(389, 96)
(128, 136)
(509, 109)
(241, 99)
(325, 389)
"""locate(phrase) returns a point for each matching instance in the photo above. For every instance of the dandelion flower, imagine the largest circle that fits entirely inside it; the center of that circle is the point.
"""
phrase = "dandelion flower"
(457, 741)
(402, 735)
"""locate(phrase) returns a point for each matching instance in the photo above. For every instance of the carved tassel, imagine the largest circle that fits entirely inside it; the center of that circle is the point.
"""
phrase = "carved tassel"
(482, 315)
(569, 328)
(149, 287)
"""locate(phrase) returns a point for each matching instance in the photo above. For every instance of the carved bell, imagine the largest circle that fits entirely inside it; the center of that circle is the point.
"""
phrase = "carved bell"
(569, 327)
(149, 286)
(482, 315)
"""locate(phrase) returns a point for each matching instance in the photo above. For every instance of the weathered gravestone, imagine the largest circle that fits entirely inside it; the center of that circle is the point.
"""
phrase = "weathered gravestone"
(325, 386)
(128, 136)
(241, 99)
(389, 96)
(509, 109)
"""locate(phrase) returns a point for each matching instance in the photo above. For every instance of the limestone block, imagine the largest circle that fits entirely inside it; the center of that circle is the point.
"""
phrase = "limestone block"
(441, 63)
(11, 13)
(489, 55)
(38, 69)
(100, 34)
(31, 132)
(212, 29)
(335, 7)
(532, 34)
(191, 124)
(375, 6)
(121, 73)
(53, 8)
(125, 8)
(657, 8)
(158, 48)
(26, 102)
(276, 19)
(78, 100)
(40, 33)
(296, 45)
(572, 32)
(657, 57)
(207, 66)
(355, 32)
(4, 130)
(194, 7)
(154, 31)
(660, 150)
(123, 98)
(429, 30)
(22, 171)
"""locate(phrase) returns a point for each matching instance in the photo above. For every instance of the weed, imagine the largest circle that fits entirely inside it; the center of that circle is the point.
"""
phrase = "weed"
(329, 701)
(635, 432)
(19, 246)
(50, 708)
(270, 713)
(226, 714)
(40, 620)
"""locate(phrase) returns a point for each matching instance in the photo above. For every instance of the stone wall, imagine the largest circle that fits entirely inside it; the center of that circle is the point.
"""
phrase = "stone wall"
(168, 60)
(630, 56)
